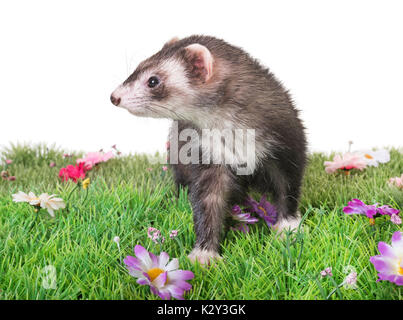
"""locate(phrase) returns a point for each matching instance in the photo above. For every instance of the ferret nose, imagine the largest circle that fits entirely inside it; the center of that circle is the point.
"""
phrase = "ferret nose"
(115, 100)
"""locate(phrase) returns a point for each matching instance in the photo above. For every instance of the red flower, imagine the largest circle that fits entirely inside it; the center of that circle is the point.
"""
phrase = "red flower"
(73, 172)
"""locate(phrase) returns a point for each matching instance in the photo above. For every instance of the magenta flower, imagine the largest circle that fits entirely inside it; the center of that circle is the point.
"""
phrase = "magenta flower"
(386, 210)
(243, 219)
(390, 262)
(163, 277)
(264, 209)
(356, 206)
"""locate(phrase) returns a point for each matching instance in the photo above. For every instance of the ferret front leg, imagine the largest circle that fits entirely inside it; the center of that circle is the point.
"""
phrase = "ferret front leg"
(210, 190)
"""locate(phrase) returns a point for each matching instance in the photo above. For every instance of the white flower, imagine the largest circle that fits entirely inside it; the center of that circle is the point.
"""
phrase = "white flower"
(30, 198)
(163, 276)
(116, 239)
(51, 203)
(44, 201)
(373, 158)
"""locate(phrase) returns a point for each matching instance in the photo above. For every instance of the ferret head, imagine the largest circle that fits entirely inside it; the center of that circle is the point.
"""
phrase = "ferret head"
(169, 83)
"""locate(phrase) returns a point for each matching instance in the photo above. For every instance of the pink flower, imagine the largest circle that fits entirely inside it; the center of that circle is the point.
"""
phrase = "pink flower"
(8, 161)
(155, 235)
(394, 218)
(397, 181)
(326, 272)
(346, 162)
(390, 262)
(164, 168)
(52, 164)
(11, 178)
(164, 277)
(149, 169)
(350, 281)
(73, 172)
(93, 158)
(173, 234)
(356, 206)
(66, 155)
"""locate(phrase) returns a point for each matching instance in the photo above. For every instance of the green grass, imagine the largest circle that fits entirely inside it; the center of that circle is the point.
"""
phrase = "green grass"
(125, 199)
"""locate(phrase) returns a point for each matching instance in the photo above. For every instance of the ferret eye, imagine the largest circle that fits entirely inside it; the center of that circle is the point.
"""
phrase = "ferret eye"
(153, 82)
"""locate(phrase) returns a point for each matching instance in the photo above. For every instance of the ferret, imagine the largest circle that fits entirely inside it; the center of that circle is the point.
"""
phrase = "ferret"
(202, 82)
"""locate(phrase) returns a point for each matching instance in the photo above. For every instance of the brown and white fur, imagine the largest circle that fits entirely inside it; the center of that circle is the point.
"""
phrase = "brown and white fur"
(206, 83)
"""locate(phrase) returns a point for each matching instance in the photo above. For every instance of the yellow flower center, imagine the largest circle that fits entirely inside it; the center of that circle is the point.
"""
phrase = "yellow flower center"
(368, 156)
(372, 221)
(154, 273)
(264, 211)
(400, 270)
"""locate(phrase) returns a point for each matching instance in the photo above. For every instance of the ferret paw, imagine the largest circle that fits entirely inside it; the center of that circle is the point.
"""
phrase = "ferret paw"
(284, 225)
(204, 257)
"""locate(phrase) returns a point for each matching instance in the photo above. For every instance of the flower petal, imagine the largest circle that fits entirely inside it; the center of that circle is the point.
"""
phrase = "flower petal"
(173, 265)
(163, 260)
(132, 262)
(380, 264)
(143, 255)
(397, 240)
(160, 281)
(386, 250)
(180, 275)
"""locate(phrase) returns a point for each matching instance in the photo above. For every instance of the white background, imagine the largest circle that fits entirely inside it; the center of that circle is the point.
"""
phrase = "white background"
(59, 62)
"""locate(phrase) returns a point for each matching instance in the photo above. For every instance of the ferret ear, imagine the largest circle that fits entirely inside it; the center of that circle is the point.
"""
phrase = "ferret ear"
(172, 41)
(200, 61)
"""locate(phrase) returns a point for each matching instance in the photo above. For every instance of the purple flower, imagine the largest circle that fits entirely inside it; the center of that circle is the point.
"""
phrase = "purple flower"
(326, 272)
(356, 206)
(390, 262)
(386, 210)
(243, 219)
(264, 209)
(163, 277)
